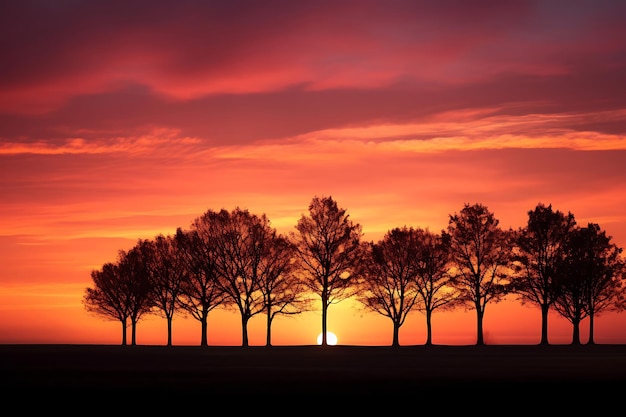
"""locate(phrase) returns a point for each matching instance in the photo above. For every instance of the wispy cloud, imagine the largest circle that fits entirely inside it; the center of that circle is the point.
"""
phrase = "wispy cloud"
(49, 296)
(76, 146)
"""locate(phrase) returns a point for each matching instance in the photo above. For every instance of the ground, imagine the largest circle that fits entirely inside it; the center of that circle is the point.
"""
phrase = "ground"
(365, 373)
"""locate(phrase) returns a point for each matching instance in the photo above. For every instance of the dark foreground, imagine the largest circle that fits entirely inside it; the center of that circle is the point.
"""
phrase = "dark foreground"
(340, 371)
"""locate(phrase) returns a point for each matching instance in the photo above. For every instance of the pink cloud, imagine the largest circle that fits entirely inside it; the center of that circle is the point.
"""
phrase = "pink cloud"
(195, 50)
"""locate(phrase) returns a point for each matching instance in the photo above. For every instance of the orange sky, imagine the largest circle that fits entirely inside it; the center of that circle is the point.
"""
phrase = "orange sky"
(121, 121)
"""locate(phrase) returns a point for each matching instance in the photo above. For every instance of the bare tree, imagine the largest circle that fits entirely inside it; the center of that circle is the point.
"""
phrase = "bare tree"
(136, 282)
(107, 298)
(541, 247)
(121, 291)
(589, 278)
(432, 276)
(328, 248)
(282, 290)
(167, 273)
(200, 292)
(242, 242)
(388, 277)
(481, 252)
(604, 275)
(570, 301)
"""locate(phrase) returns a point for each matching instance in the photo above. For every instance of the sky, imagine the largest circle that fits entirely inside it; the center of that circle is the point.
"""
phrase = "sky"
(123, 120)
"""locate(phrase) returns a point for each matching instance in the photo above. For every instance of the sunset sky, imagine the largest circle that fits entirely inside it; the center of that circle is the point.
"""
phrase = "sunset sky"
(123, 120)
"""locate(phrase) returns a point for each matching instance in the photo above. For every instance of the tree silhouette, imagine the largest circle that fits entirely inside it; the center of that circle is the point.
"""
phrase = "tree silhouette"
(282, 290)
(388, 284)
(589, 278)
(108, 297)
(606, 270)
(136, 283)
(570, 301)
(121, 291)
(541, 247)
(237, 260)
(432, 276)
(167, 273)
(242, 241)
(328, 248)
(481, 251)
(200, 292)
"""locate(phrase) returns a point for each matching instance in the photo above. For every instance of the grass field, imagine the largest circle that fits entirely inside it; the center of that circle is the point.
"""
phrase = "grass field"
(342, 371)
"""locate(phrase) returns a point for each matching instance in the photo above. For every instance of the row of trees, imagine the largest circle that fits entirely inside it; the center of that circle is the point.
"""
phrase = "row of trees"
(237, 260)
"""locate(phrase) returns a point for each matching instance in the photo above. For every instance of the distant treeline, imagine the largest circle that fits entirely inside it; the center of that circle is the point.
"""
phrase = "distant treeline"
(237, 260)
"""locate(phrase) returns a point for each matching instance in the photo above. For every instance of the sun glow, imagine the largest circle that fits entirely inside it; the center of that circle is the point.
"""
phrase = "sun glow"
(331, 338)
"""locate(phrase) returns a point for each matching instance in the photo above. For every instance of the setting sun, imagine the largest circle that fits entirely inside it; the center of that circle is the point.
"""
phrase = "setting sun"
(331, 338)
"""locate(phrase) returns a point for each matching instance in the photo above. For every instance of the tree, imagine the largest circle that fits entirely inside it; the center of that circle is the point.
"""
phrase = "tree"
(242, 241)
(121, 291)
(389, 286)
(167, 273)
(541, 247)
(107, 298)
(136, 283)
(282, 291)
(432, 275)
(589, 278)
(570, 301)
(481, 251)
(200, 292)
(604, 275)
(328, 247)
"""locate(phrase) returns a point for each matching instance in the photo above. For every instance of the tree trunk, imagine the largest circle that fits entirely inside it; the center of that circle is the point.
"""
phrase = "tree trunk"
(204, 330)
(591, 327)
(479, 327)
(429, 327)
(134, 333)
(576, 332)
(268, 338)
(169, 330)
(324, 315)
(244, 331)
(124, 341)
(396, 332)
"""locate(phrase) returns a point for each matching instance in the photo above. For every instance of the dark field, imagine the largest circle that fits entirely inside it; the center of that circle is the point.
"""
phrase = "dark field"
(340, 371)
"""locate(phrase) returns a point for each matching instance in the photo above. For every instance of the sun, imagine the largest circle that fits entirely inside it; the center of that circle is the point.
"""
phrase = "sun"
(331, 338)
